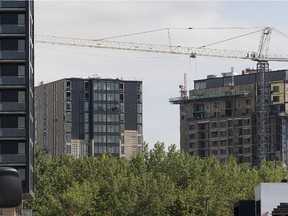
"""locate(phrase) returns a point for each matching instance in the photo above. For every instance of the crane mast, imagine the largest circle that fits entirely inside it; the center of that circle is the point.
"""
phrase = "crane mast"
(262, 58)
(263, 97)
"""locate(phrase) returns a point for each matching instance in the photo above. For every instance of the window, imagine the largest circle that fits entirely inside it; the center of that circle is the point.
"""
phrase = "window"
(139, 129)
(216, 105)
(68, 106)
(275, 89)
(223, 151)
(86, 85)
(223, 124)
(214, 134)
(248, 102)
(213, 124)
(21, 122)
(21, 19)
(68, 96)
(21, 44)
(139, 118)
(86, 106)
(139, 108)
(21, 70)
(214, 143)
(68, 85)
(21, 148)
(228, 81)
(192, 127)
(21, 96)
(86, 117)
(276, 99)
(121, 87)
(86, 96)
(200, 85)
(191, 136)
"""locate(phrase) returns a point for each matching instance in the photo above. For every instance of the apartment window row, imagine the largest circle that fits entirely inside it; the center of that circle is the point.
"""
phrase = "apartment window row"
(10, 121)
(106, 97)
(12, 70)
(106, 107)
(12, 147)
(104, 86)
(106, 118)
(106, 139)
(106, 128)
(100, 149)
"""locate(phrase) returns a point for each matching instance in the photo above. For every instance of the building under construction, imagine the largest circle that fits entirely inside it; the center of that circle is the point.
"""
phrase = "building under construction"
(219, 117)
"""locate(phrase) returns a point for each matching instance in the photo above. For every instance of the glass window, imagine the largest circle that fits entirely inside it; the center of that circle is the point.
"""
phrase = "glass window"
(21, 44)
(21, 96)
(86, 117)
(21, 148)
(21, 122)
(68, 117)
(86, 137)
(139, 129)
(276, 88)
(68, 127)
(21, 70)
(68, 138)
(139, 108)
(86, 128)
(139, 118)
(21, 19)
(86, 106)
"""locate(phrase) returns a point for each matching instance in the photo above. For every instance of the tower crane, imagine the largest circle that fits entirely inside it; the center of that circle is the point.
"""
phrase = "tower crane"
(261, 57)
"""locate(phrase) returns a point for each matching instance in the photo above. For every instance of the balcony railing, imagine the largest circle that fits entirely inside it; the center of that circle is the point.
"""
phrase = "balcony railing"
(12, 80)
(12, 29)
(12, 4)
(12, 158)
(12, 54)
(12, 132)
(12, 106)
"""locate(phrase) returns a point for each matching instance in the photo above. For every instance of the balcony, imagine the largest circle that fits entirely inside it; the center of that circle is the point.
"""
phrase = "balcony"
(12, 4)
(12, 80)
(12, 54)
(12, 29)
(12, 132)
(12, 106)
(12, 158)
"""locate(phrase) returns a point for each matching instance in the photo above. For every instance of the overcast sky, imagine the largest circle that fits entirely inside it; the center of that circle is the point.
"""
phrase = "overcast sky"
(161, 73)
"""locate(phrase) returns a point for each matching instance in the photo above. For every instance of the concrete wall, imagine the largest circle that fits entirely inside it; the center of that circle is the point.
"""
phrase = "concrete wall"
(271, 195)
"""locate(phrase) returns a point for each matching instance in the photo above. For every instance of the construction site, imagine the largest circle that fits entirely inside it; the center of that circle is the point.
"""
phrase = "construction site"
(240, 115)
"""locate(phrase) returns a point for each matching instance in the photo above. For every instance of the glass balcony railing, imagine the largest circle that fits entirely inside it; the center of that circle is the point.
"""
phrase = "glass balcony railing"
(12, 29)
(12, 4)
(12, 54)
(12, 106)
(12, 158)
(12, 132)
(12, 80)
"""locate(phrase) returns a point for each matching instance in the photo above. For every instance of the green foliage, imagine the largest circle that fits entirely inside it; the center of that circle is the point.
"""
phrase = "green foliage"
(154, 182)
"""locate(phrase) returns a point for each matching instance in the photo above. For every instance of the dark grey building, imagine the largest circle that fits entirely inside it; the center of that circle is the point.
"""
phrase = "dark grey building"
(89, 116)
(17, 89)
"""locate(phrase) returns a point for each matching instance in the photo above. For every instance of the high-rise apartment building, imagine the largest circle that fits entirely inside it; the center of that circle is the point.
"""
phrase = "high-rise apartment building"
(17, 89)
(218, 118)
(89, 116)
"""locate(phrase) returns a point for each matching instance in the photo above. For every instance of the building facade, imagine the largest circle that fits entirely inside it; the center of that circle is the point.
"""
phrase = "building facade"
(17, 89)
(89, 116)
(218, 118)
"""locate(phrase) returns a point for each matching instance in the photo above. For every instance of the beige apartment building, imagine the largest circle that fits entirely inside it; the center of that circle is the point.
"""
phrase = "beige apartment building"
(218, 118)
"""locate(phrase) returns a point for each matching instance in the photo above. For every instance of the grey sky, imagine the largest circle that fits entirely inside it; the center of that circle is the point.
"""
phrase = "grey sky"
(161, 74)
